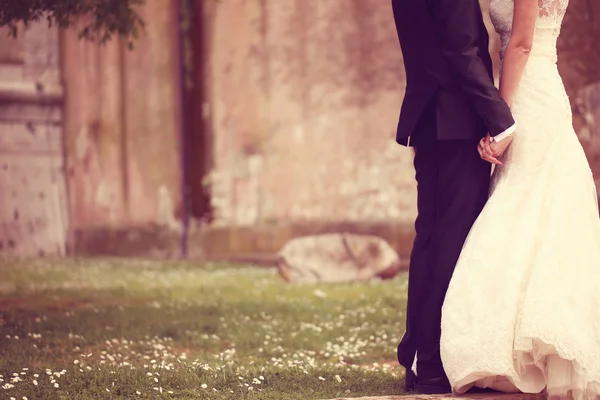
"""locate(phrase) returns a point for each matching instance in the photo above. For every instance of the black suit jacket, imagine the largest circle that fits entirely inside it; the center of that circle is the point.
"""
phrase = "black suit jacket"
(448, 70)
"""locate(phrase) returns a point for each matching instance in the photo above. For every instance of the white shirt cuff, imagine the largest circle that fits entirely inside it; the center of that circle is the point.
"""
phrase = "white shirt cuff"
(505, 134)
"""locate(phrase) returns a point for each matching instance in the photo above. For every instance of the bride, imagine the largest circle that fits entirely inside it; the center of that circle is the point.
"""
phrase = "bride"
(522, 313)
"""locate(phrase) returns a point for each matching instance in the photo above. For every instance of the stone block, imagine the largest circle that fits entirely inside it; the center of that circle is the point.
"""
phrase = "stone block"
(336, 258)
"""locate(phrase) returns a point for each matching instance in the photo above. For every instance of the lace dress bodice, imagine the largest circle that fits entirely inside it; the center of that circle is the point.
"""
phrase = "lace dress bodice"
(548, 24)
(541, 92)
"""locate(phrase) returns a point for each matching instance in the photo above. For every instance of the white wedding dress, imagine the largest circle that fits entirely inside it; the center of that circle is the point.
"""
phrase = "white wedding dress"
(522, 312)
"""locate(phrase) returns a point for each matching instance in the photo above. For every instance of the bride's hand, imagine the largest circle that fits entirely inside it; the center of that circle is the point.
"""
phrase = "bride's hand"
(485, 151)
(490, 150)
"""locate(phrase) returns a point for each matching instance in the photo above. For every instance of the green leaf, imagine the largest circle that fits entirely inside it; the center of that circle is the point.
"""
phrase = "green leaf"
(99, 19)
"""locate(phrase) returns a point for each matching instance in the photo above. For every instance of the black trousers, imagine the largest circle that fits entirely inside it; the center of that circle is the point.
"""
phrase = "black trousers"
(452, 186)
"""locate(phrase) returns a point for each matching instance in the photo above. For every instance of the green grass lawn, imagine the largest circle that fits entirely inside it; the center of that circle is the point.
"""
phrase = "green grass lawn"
(106, 329)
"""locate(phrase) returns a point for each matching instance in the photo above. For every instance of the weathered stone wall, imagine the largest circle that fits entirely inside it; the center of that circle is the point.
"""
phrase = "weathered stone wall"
(579, 52)
(121, 130)
(304, 98)
(304, 102)
(33, 204)
(579, 63)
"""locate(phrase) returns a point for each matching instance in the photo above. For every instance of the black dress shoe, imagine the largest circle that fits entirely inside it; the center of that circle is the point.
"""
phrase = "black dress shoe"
(438, 385)
(410, 381)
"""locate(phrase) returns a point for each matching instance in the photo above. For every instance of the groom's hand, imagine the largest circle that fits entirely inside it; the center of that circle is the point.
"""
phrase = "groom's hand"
(490, 150)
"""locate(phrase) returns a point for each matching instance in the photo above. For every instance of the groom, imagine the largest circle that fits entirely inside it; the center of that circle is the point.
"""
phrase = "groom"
(450, 106)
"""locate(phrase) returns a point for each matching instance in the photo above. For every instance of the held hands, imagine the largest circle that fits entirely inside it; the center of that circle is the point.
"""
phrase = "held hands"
(490, 150)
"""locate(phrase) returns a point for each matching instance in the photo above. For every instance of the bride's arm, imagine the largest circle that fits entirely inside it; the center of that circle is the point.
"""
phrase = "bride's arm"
(519, 46)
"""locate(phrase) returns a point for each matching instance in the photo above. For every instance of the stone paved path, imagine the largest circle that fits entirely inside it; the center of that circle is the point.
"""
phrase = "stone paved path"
(450, 397)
